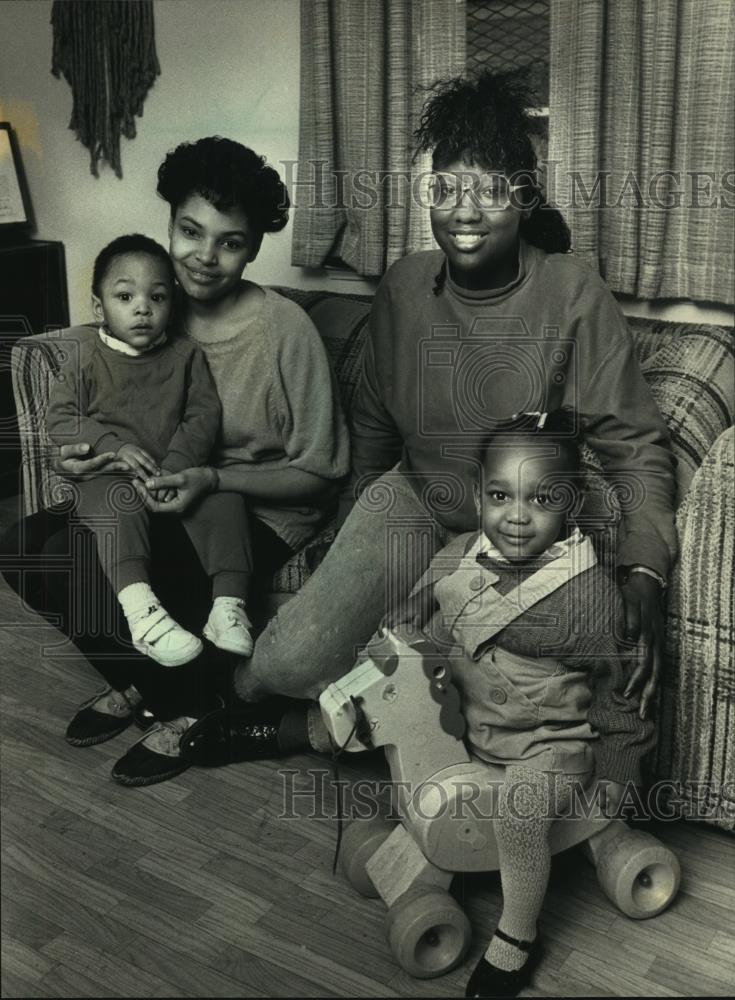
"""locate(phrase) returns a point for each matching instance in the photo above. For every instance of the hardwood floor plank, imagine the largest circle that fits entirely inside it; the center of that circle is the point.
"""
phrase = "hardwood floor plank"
(106, 843)
(709, 892)
(134, 817)
(268, 979)
(632, 956)
(162, 926)
(233, 814)
(29, 926)
(288, 955)
(63, 909)
(78, 852)
(17, 987)
(188, 977)
(353, 947)
(267, 882)
(669, 932)
(205, 886)
(280, 844)
(615, 976)
(65, 981)
(19, 797)
(722, 948)
(20, 960)
(693, 974)
(98, 896)
(105, 969)
(128, 881)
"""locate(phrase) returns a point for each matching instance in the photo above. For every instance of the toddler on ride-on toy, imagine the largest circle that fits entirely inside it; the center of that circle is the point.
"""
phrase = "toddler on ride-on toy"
(528, 621)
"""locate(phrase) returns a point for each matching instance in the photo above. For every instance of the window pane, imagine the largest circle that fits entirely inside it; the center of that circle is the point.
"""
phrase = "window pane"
(507, 35)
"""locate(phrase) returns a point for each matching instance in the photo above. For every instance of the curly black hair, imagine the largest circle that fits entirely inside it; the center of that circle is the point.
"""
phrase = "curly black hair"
(484, 121)
(133, 243)
(228, 175)
(561, 427)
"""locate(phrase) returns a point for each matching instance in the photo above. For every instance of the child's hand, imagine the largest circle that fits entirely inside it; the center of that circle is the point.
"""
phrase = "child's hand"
(191, 486)
(138, 461)
(80, 460)
(166, 493)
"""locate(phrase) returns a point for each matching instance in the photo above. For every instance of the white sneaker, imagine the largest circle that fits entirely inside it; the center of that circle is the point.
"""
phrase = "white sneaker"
(152, 629)
(228, 627)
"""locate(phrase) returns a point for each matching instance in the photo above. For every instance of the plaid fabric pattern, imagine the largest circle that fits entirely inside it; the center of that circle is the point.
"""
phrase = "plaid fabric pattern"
(696, 710)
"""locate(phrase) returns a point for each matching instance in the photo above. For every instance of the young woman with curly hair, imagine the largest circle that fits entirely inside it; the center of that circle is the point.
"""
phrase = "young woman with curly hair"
(283, 446)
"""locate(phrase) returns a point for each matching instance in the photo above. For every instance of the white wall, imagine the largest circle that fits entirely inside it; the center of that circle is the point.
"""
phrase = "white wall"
(228, 67)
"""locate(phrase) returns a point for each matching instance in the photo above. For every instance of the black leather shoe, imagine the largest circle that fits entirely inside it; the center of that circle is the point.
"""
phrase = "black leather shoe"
(231, 735)
(489, 981)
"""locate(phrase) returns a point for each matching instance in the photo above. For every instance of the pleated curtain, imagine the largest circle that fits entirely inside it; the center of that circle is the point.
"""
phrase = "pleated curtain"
(641, 102)
(363, 66)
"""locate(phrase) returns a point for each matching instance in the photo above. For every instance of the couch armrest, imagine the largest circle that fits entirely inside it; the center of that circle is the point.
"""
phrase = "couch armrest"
(698, 690)
(691, 379)
(34, 361)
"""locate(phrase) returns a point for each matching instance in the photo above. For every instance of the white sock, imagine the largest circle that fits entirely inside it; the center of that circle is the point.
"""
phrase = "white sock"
(224, 601)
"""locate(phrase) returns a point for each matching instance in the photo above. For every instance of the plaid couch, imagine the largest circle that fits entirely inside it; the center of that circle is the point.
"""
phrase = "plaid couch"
(690, 371)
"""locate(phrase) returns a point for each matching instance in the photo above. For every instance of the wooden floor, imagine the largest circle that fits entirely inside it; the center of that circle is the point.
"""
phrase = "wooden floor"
(196, 888)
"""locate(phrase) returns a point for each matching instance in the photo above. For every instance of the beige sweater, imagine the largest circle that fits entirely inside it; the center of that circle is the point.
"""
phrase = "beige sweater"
(279, 405)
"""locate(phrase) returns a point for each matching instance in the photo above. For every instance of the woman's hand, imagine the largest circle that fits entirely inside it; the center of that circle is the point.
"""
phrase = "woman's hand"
(77, 460)
(167, 493)
(191, 486)
(138, 460)
(644, 626)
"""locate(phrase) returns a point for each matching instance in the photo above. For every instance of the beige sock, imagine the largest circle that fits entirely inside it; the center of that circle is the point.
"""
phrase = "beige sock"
(528, 805)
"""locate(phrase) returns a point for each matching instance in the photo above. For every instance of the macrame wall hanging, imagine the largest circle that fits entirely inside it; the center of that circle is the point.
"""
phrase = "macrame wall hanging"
(106, 50)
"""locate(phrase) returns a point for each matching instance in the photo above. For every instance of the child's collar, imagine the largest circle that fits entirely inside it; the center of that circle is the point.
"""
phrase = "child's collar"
(485, 547)
(122, 348)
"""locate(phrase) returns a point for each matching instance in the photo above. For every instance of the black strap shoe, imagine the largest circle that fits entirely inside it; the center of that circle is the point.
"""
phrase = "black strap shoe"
(489, 981)
(231, 735)
(155, 757)
(106, 714)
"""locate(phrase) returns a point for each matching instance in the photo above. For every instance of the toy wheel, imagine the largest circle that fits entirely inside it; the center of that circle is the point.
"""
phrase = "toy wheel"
(361, 840)
(428, 932)
(638, 874)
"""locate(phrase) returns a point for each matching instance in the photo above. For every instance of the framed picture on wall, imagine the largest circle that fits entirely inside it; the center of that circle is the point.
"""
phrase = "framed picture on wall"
(13, 204)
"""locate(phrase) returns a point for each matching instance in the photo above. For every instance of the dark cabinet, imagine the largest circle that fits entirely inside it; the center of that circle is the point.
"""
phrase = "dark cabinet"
(33, 298)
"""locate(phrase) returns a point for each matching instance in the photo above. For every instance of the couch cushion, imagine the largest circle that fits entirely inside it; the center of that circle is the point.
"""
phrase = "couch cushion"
(341, 320)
